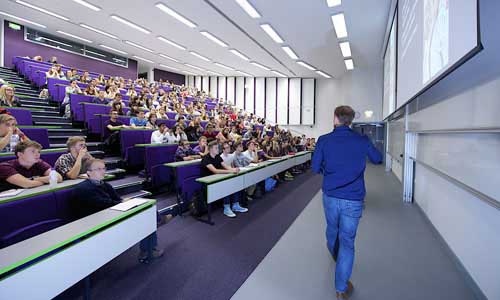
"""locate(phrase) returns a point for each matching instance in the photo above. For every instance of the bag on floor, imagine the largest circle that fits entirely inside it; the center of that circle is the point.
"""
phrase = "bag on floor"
(198, 205)
(269, 184)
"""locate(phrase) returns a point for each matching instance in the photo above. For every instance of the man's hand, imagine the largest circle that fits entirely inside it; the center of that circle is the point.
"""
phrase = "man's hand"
(82, 153)
(236, 170)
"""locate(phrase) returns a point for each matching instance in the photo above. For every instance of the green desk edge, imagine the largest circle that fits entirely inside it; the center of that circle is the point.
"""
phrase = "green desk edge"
(88, 232)
(20, 197)
(181, 163)
(158, 145)
(206, 180)
(34, 126)
(41, 152)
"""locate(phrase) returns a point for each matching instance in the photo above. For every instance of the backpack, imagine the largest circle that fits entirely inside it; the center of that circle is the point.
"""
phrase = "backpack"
(198, 205)
(269, 184)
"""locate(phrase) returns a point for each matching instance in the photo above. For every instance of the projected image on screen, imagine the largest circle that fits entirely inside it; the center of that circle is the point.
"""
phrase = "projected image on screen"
(436, 37)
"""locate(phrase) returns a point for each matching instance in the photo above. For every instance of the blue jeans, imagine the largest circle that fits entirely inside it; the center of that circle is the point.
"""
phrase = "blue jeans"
(342, 219)
(233, 198)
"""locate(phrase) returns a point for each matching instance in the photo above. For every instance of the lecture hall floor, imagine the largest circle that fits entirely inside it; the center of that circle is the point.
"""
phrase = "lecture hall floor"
(277, 251)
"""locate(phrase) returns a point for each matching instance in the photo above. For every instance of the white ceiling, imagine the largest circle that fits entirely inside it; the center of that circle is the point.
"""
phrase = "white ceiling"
(304, 25)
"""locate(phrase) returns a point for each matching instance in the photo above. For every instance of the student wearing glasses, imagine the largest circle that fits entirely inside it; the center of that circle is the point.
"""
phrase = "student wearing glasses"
(185, 153)
(93, 195)
(7, 97)
(72, 164)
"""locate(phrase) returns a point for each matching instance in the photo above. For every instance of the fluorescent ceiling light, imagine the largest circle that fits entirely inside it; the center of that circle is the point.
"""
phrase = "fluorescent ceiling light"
(22, 19)
(98, 31)
(48, 12)
(290, 52)
(175, 15)
(213, 38)
(239, 54)
(323, 74)
(224, 66)
(165, 40)
(189, 73)
(194, 67)
(215, 73)
(339, 25)
(113, 49)
(168, 57)
(349, 64)
(306, 65)
(248, 8)
(368, 113)
(279, 74)
(95, 53)
(130, 24)
(74, 36)
(273, 34)
(346, 49)
(88, 5)
(246, 74)
(169, 67)
(332, 3)
(139, 46)
(199, 56)
(142, 58)
(260, 66)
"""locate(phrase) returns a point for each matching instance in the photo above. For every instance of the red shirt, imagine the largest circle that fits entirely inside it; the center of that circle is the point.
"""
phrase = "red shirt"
(13, 167)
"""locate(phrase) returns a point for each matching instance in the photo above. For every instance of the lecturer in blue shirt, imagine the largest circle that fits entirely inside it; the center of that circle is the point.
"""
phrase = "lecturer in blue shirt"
(340, 156)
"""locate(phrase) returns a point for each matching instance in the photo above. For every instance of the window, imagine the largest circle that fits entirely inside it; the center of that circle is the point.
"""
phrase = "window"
(49, 40)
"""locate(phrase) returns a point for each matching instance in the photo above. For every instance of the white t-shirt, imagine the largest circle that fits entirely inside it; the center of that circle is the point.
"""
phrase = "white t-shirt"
(252, 155)
(228, 159)
(158, 138)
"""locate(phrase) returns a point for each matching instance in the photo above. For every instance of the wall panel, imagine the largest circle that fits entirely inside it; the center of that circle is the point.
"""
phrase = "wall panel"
(294, 101)
(259, 96)
(308, 94)
(271, 99)
(240, 92)
(249, 94)
(230, 90)
(282, 101)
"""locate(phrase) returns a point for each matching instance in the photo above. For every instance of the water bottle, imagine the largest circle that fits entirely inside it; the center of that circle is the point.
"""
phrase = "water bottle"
(52, 177)
(14, 140)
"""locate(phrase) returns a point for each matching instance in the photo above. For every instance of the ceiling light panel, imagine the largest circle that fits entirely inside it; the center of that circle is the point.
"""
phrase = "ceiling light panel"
(199, 56)
(130, 24)
(88, 5)
(22, 19)
(213, 38)
(139, 46)
(272, 33)
(224, 66)
(248, 8)
(323, 74)
(48, 12)
(338, 21)
(260, 66)
(144, 59)
(349, 64)
(172, 43)
(290, 52)
(74, 36)
(168, 57)
(345, 47)
(98, 31)
(245, 74)
(279, 74)
(113, 49)
(194, 67)
(215, 73)
(332, 3)
(169, 67)
(306, 65)
(175, 15)
(239, 54)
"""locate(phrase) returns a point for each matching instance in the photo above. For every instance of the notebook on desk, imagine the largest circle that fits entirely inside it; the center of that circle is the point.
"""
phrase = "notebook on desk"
(10, 193)
(129, 204)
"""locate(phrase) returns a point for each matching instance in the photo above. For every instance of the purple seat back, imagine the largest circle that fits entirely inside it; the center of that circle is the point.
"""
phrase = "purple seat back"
(40, 135)
(157, 155)
(90, 110)
(23, 116)
(76, 107)
(48, 157)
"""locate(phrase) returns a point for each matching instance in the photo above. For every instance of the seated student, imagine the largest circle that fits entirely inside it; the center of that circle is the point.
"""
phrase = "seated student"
(118, 107)
(93, 195)
(210, 134)
(71, 165)
(101, 98)
(28, 170)
(242, 159)
(113, 136)
(73, 88)
(184, 152)
(91, 89)
(160, 136)
(252, 152)
(202, 148)
(139, 121)
(161, 114)
(226, 155)
(152, 122)
(176, 135)
(214, 164)
(10, 135)
(134, 109)
(7, 97)
(85, 78)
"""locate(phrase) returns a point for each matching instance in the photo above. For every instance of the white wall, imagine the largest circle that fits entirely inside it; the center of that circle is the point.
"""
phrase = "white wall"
(360, 88)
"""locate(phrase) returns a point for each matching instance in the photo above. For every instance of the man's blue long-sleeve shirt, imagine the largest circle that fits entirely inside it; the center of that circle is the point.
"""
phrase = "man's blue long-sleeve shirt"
(341, 157)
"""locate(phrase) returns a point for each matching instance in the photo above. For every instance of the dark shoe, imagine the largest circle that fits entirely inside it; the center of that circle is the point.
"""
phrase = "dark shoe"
(143, 255)
(347, 293)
